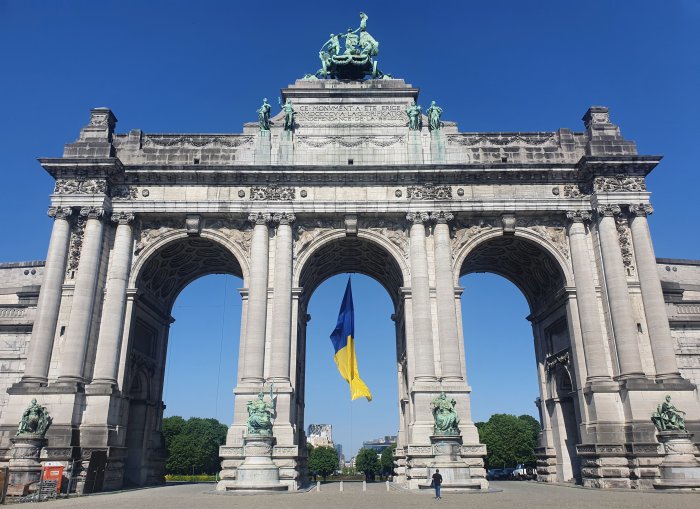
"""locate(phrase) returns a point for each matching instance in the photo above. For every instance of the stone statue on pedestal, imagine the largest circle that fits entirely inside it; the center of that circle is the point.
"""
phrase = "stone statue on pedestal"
(668, 418)
(434, 112)
(446, 419)
(260, 414)
(35, 420)
(264, 116)
(415, 117)
(289, 113)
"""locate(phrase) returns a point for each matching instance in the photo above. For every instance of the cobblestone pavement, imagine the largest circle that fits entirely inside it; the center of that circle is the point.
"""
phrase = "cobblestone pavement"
(514, 495)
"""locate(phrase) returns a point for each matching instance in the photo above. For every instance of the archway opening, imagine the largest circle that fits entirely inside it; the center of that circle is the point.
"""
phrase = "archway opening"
(183, 348)
(323, 397)
(495, 332)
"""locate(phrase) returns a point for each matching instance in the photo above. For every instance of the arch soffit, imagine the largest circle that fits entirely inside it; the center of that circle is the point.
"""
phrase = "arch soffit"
(522, 233)
(327, 238)
(154, 247)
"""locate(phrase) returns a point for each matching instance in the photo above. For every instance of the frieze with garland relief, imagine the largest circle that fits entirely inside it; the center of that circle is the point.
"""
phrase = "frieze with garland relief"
(619, 183)
(196, 141)
(271, 193)
(87, 186)
(467, 140)
(575, 191)
(350, 141)
(124, 192)
(429, 192)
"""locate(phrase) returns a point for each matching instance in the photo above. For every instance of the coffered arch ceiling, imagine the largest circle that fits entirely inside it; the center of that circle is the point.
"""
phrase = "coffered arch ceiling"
(351, 254)
(530, 267)
(170, 269)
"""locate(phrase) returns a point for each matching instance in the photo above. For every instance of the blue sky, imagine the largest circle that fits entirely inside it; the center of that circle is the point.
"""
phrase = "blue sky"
(175, 66)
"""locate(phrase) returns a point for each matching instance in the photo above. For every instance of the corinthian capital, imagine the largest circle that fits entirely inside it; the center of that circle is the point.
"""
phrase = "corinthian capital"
(60, 212)
(442, 217)
(608, 210)
(260, 218)
(418, 217)
(641, 209)
(122, 218)
(579, 216)
(283, 218)
(92, 212)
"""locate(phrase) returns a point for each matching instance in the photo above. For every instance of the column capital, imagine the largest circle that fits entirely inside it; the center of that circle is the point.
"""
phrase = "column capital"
(260, 218)
(283, 218)
(442, 217)
(608, 210)
(92, 212)
(60, 212)
(579, 216)
(123, 218)
(418, 217)
(641, 209)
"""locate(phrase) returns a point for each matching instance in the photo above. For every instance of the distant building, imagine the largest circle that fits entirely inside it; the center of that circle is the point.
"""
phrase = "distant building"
(339, 450)
(320, 435)
(379, 444)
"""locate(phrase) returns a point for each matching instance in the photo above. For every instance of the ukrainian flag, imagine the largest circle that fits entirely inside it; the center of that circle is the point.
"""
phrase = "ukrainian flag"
(344, 344)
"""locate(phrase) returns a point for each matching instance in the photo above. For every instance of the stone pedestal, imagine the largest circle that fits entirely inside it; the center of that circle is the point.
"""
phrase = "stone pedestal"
(263, 148)
(285, 153)
(24, 465)
(437, 146)
(415, 148)
(680, 470)
(447, 457)
(257, 472)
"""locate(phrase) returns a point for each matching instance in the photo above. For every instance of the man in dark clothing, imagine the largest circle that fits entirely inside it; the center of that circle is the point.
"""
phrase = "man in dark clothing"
(437, 482)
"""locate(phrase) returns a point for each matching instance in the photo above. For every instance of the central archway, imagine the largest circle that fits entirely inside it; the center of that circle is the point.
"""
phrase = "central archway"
(337, 254)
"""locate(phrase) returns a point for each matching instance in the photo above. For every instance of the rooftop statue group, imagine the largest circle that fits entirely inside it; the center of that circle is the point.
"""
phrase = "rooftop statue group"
(415, 117)
(260, 414)
(35, 420)
(446, 419)
(264, 115)
(354, 61)
(668, 418)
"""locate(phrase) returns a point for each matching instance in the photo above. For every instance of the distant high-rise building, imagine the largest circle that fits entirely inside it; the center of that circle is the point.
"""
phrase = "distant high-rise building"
(320, 435)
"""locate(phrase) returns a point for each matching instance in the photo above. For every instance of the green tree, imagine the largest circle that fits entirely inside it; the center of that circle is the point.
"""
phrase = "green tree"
(534, 426)
(509, 440)
(367, 463)
(193, 445)
(387, 460)
(323, 461)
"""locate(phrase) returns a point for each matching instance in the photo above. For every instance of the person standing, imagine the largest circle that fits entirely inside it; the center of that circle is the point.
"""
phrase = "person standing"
(437, 482)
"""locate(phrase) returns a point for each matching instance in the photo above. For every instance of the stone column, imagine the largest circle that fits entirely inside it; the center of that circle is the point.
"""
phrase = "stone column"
(445, 293)
(39, 352)
(78, 333)
(652, 295)
(586, 298)
(256, 318)
(112, 325)
(618, 295)
(420, 298)
(282, 299)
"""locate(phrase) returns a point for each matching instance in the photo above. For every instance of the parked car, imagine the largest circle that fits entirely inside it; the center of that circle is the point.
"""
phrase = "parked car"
(523, 472)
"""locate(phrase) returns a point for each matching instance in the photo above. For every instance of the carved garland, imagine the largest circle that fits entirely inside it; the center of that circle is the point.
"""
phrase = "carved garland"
(275, 193)
(429, 192)
(619, 183)
(83, 186)
(623, 236)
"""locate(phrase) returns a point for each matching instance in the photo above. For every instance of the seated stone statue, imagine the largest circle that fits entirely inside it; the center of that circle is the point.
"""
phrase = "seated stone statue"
(446, 419)
(668, 418)
(260, 415)
(35, 420)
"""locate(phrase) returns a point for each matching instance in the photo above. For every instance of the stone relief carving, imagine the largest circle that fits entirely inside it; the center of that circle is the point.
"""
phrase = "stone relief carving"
(124, 192)
(561, 358)
(394, 231)
(550, 228)
(623, 236)
(60, 212)
(307, 232)
(271, 193)
(86, 186)
(239, 232)
(502, 140)
(152, 230)
(197, 141)
(619, 183)
(465, 231)
(429, 192)
(75, 245)
(642, 209)
(573, 191)
(350, 141)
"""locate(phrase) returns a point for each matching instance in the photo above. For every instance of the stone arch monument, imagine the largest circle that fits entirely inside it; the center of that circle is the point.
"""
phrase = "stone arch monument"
(351, 176)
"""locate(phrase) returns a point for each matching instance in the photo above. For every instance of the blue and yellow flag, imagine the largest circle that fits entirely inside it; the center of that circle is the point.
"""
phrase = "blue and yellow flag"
(343, 338)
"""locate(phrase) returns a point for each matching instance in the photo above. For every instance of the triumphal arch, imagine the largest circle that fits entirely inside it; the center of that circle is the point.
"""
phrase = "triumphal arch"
(351, 176)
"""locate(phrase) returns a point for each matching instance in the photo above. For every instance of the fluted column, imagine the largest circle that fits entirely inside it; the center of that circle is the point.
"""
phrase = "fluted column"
(618, 295)
(112, 324)
(652, 294)
(256, 319)
(78, 333)
(586, 298)
(445, 294)
(282, 299)
(420, 299)
(44, 329)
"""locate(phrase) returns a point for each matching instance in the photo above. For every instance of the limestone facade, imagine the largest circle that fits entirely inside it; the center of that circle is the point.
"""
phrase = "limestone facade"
(562, 214)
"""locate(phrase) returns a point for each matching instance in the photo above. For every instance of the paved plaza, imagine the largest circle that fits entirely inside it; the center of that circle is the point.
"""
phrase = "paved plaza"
(513, 495)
